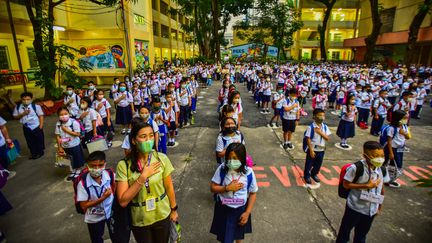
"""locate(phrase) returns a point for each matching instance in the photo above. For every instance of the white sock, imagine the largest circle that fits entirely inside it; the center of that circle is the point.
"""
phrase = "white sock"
(343, 140)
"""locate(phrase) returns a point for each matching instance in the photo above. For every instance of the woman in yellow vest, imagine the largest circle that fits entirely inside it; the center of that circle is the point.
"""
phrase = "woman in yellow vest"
(144, 183)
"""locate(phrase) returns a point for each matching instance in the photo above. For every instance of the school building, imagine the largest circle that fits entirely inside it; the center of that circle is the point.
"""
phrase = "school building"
(97, 31)
(396, 17)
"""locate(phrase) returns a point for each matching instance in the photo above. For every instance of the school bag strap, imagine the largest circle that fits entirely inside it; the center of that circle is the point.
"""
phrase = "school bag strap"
(33, 105)
(222, 175)
(359, 171)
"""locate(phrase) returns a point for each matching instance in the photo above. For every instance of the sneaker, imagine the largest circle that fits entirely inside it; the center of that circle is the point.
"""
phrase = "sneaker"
(123, 131)
(406, 149)
(71, 177)
(262, 112)
(316, 179)
(275, 125)
(290, 146)
(394, 184)
(285, 146)
(345, 146)
(109, 144)
(308, 181)
(270, 125)
(11, 175)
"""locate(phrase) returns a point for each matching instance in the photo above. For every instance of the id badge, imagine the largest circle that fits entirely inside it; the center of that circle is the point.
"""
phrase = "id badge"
(150, 204)
(233, 201)
(371, 197)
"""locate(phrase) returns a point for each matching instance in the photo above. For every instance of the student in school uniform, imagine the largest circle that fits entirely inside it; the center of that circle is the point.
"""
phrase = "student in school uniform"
(125, 108)
(235, 188)
(172, 110)
(90, 91)
(68, 133)
(365, 106)
(88, 117)
(321, 99)
(290, 117)
(228, 135)
(234, 101)
(397, 134)
(184, 100)
(114, 88)
(267, 89)
(102, 106)
(71, 100)
(5, 140)
(379, 112)
(154, 86)
(145, 94)
(420, 98)
(227, 111)
(277, 102)
(346, 127)
(31, 116)
(137, 97)
(315, 146)
(303, 90)
(158, 115)
(96, 196)
(361, 209)
(259, 92)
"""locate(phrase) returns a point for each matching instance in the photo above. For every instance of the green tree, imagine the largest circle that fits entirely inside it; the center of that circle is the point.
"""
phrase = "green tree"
(376, 27)
(412, 52)
(322, 28)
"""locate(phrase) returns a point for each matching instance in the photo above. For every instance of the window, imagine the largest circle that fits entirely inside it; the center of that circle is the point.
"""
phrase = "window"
(180, 36)
(387, 19)
(32, 58)
(154, 5)
(173, 14)
(181, 19)
(337, 37)
(335, 55)
(163, 7)
(173, 34)
(156, 29)
(4, 58)
(165, 31)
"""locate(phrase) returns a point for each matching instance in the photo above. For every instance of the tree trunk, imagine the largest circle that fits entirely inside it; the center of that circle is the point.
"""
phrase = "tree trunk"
(216, 26)
(322, 29)
(411, 52)
(264, 55)
(372, 38)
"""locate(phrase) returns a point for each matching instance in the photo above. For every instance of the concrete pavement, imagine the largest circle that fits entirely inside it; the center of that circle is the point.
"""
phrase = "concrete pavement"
(285, 211)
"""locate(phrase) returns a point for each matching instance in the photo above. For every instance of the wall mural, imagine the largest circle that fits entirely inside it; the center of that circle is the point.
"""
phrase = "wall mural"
(141, 53)
(103, 56)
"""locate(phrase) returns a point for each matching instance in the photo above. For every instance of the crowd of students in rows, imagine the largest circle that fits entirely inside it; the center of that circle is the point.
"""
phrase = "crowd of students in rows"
(150, 107)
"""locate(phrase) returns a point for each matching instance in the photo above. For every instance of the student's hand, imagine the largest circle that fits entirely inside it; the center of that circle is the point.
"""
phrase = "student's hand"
(174, 216)
(9, 141)
(376, 117)
(150, 170)
(65, 129)
(99, 106)
(25, 112)
(234, 186)
(373, 183)
(244, 218)
(312, 153)
(85, 113)
(71, 100)
(107, 193)
(60, 151)
(318, 130)
(379, 209)
(391, 156)
(109, 122)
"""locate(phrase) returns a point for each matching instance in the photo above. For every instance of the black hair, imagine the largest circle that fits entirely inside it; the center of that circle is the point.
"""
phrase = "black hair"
(70, 86)
(317, 111)
(293, 91)
(372, 145)
(63, 107)
(133, 155)
(224, 121)
(115, 78)
(96, 155)
(382, 91)
(348, 105)
(90, 82)
(87, 100)
(143, 107)
(232, 95)
(396, 117)
(156, 100)
(406, 93)
(168, 93)
(27, 94)
(240, 151)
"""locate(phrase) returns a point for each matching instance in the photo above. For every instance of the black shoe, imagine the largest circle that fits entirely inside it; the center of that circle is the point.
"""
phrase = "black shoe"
(285, 146)
(345, 146)
(308, 180)
(71, 177)
(290, 146)
(316, 179)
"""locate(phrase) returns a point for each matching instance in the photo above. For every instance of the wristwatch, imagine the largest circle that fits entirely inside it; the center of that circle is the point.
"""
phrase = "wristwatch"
(174, 208)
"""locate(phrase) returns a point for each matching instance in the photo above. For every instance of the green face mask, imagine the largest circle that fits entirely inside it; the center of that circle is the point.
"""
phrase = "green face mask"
(233, 164)
(146, 146)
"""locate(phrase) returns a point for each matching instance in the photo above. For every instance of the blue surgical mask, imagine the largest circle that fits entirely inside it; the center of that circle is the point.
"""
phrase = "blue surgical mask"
(233, 164)
(122, 89)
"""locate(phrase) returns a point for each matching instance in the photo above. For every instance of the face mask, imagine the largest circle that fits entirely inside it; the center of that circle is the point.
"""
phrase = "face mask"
(64, 118)
(100, 97)
(83, 106)
(233, 164)
(410, 100)
(143, 87)
(145, 116)
(172, 89)
(280, 91)
(95, 173)
(319, 119)
(183, 86)
(403, 121)
(169, 99)
(91, 87)
(146, 147)
(69, 92)
(156, 108)
(117, 82)
(122, 89)
(27, 102)
(268, 79)
(293, 97)
(127, 79)
(235, 101)
(226, 85)
(377, 162)
(229, 130)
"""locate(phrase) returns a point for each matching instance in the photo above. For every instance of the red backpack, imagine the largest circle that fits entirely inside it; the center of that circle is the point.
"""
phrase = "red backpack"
(314, 102)
(342, 191)
(82, 179)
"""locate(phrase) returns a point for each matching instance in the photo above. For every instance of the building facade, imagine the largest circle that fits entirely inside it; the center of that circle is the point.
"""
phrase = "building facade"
(396, 17)
(97, 32)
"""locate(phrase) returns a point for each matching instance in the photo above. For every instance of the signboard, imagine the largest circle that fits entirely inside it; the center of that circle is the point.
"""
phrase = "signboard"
(103, 56)
(252, 50)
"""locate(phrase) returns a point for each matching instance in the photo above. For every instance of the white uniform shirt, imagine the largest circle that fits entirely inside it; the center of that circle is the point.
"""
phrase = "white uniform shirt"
(276, 97)
(221, 146)
(67, 140)
(398, 140)
(87, 121)
(267, 88)
(2, 138)
(30, 120)
(74, 106)
(172, 114)
(292, 114)
(126, 101)
(318, 142)
(321, 101)
(106, 105)
(366, 100)
(183, 96)
(381, 104)
(101, 211)
(242, 178)
(348, 116)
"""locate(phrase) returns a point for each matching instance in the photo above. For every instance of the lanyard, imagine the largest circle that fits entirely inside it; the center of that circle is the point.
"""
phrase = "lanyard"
(147, 183)
(98, 194)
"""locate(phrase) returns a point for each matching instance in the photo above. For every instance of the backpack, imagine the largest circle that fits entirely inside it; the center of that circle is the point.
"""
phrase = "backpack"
(312, 134)
(384, 134)
(224, 141)
(33, 105)
(222, 174)
(314, 102)
(342, 191)
(82, 178)
(82, 128)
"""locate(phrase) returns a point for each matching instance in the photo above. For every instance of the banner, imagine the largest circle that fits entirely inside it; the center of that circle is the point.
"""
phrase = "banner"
(252, 50)
(141, 53)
